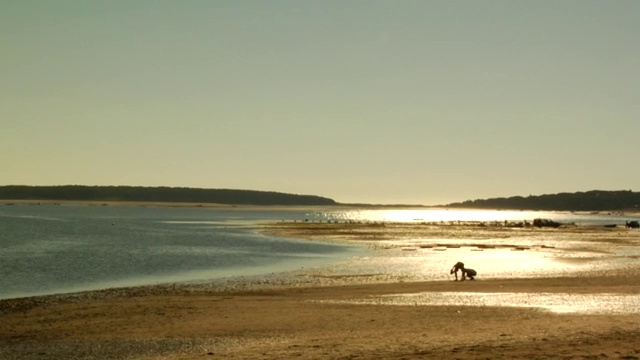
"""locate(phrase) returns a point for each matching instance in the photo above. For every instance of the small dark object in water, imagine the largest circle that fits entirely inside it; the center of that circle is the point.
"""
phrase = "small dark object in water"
(610, 225)
(633, 224)
(545, 223)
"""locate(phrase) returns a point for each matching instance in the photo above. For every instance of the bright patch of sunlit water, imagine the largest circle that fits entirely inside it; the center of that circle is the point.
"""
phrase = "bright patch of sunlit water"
(468, 215)
(554, 302)
(430, 265)
(529, 255)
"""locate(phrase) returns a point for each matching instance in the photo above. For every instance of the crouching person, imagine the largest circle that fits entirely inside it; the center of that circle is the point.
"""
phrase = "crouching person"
(464, 272)
(470, 274)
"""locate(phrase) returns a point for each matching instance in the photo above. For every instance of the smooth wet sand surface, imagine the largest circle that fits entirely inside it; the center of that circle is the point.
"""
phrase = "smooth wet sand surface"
(573, 294)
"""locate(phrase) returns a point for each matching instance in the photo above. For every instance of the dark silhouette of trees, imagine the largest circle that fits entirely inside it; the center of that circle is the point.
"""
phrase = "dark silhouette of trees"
(158, 194)
(595, 200)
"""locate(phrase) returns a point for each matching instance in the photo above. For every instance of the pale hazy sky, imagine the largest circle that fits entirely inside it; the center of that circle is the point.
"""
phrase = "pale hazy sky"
(419, 102)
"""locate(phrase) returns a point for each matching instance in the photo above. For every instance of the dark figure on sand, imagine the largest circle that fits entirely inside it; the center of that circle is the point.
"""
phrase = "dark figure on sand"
(466, 273)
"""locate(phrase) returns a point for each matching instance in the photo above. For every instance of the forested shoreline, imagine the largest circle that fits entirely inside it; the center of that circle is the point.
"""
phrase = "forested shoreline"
(596, 200)
(158, 194)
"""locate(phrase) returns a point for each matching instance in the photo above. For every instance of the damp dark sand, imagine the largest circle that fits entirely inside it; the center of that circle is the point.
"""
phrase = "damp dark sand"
(388, 304)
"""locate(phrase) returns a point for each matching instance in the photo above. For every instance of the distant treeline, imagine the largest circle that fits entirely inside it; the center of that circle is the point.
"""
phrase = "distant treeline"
(158, 194)
(595, 200)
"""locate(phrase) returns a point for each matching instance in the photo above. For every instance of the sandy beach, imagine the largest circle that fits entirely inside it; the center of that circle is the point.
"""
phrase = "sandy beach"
(579, 301)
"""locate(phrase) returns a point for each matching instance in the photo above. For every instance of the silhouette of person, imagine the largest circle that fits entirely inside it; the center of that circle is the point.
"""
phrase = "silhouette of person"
(464, 272)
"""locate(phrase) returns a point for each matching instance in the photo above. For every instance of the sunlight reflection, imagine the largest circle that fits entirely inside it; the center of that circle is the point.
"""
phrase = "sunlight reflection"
(437, 215)
(429, 215)
(554, 302)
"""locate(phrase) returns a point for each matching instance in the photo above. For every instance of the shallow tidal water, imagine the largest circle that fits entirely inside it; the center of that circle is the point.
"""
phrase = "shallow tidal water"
(427, 254)
(62, 249)
(553, 302)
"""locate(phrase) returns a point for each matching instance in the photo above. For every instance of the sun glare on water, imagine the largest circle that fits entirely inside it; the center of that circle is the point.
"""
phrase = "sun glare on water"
(558, 303)
(437, 215)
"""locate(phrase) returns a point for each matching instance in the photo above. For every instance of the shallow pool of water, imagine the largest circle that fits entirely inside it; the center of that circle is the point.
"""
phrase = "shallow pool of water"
(608, 303)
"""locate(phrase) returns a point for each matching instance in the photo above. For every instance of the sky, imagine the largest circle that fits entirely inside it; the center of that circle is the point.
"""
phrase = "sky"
(382, 102)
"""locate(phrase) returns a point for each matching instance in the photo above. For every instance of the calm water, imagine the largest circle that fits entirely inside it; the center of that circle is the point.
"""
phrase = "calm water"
(58, 249)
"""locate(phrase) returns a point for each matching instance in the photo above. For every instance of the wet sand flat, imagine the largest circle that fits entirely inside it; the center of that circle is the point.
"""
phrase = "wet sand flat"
(332, 313)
